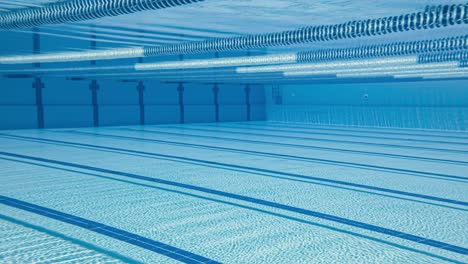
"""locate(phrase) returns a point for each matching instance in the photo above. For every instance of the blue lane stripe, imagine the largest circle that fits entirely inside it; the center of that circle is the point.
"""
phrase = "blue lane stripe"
(319, 139)
(70, 239)
(232, 166)
(275, 155)
(333, 134)
(359, 130)
(297, 146)
(119, 234)
(328, 217)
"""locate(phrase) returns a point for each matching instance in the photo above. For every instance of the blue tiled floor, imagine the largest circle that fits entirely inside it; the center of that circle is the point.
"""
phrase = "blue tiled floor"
(254, 192)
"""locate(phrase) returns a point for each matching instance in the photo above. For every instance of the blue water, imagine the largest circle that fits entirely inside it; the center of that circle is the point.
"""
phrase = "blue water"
(267, 131)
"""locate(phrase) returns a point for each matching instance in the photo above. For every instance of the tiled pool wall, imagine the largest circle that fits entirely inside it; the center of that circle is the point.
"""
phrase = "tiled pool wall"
(68, 101)
(434, 104)
(421, 105)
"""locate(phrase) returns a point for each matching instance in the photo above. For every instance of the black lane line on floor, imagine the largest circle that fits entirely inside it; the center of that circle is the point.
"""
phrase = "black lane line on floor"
(380, 154)
(245, 168)
(328, 217)
(243, 207)
(281, 156)
(119, 234)
(351, 130)
(334, 134)
(69, 239)
(319, 139)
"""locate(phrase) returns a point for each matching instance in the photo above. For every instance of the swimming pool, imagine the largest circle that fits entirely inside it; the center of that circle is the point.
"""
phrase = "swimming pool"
(256, 192)
(219, 131)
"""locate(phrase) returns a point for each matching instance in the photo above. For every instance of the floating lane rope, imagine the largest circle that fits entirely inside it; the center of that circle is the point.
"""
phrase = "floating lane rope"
(80, 10)
(440, 16)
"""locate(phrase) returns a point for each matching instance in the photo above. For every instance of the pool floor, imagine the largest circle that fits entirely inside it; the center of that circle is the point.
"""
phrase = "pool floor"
(252, 192)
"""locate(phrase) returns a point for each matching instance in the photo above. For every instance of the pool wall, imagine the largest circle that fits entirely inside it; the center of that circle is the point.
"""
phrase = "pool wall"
(69, 102)
(420, 104)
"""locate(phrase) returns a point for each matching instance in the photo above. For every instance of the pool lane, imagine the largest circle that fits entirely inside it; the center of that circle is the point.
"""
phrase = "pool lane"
(408, 137)
(361, 144)
(330, 171)
(457, 146)
(388, 131)
(261, 138)
(225, 165)
(184, 134)
(349, 160)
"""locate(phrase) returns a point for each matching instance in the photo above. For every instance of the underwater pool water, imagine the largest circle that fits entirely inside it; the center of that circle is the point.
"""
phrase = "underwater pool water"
(220, 131)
